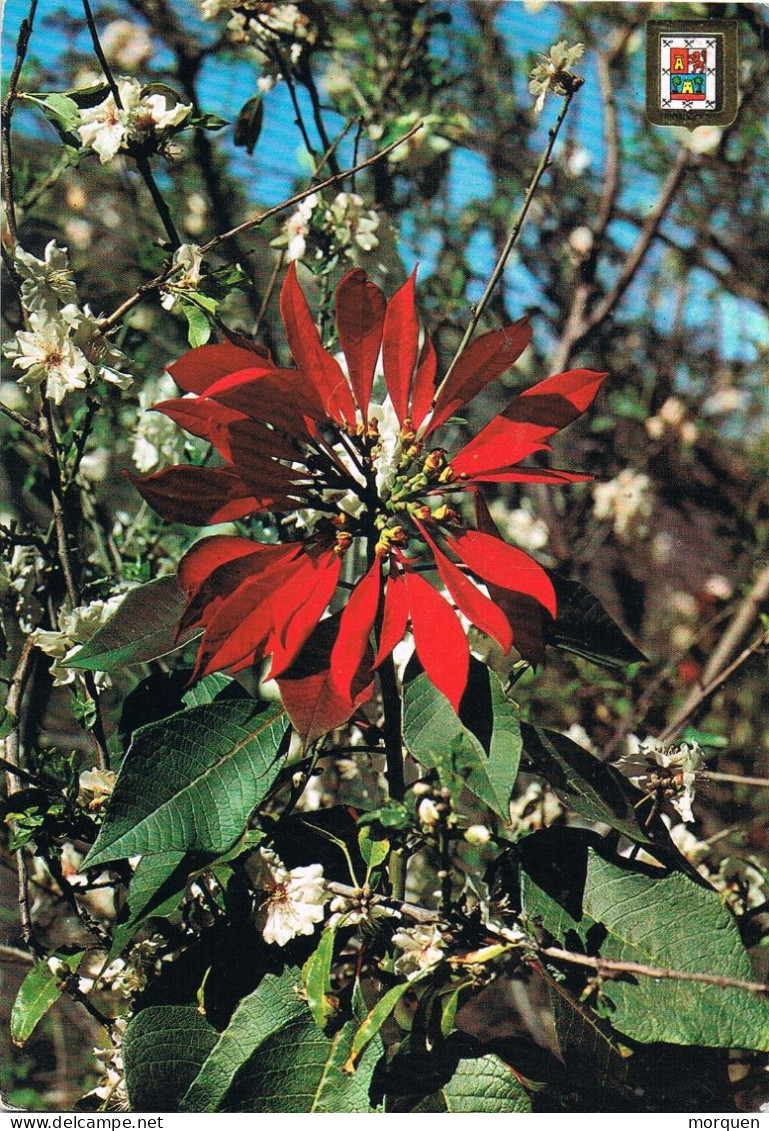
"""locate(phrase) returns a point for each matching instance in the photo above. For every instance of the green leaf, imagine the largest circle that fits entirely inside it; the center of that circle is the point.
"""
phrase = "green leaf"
(211, 688)
(583, 626)
(486, 763)
(198, 324)
(482, 1085)
(190, 783)
(272, 1058)
(373, 849)
(63, 111)
(155, 890)
(164, 1047)
(587, 786)
(316, 977)
(374, 1021)
(38, 992)
(248, 124)
(142, 628)
(585, 1039)
(668, 922)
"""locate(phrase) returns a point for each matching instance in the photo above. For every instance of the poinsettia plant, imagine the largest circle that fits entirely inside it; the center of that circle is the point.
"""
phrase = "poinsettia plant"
(291, 803)
(368, 492)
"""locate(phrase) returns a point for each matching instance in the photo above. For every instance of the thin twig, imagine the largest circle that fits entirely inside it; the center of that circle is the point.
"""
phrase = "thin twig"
(703, 692)
(736, 779)
(610, 966)
(15, 954)
(255, 222)
(22, 43)
(22, 421)
(276, 270)
(514, 232)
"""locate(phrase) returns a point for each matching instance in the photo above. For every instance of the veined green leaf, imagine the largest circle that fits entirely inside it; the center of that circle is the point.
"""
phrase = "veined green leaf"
(316, 976)
(38, 992)
(142, 628)
(190, 783)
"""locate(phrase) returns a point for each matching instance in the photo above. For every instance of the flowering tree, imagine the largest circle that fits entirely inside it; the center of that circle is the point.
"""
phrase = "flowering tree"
(306, 794)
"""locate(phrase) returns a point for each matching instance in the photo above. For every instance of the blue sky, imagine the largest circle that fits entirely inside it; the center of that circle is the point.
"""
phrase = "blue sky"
(279, 156)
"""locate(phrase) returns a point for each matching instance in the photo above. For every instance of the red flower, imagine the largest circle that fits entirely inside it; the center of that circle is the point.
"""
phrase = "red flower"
(368, 491)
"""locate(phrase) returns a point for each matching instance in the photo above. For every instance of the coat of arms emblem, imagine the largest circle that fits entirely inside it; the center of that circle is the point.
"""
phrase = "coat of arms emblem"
(691, 72)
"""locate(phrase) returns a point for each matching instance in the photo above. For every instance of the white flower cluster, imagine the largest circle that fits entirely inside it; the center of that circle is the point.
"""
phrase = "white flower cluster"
(671, 770)
(436, 135)
(188, 262)
(75, 628)
(671, 420)
(95, 787)
(343, 228)
(126, 45)
(423, 948)
(553, 74)
(63, 350)
(140, 118)
(294, 899)
(264, 27)
(627, 503)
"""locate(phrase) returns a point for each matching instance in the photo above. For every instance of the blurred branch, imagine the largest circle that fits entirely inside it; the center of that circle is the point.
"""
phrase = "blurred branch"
(581, 321)
(22, 43)
(247, 225)
(702, 691)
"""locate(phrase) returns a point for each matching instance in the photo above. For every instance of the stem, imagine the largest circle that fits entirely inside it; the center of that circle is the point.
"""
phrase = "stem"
(142, 161)
(515, 232)
(392, 732)
(22, 43)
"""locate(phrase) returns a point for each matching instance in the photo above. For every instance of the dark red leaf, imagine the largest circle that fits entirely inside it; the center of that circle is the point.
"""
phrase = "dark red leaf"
(198, 496)
(424, 383)
(500, 445)
(199, 368)
(203, 418)
(355, 627)
(299, 604)
(395, 616)
(360, 313)
(483, 361)
(316, 363)
(439, 639)
(400, 346)
(493, 560)
(311, 691)
(476, 606)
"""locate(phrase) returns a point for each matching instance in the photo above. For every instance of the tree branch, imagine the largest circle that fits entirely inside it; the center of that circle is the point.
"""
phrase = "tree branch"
(247, 225)
(22, 43)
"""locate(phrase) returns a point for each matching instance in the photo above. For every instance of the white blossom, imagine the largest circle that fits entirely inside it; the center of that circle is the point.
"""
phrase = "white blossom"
(75, 628)
(478, 834)
(294, 900)
(47, 283)
(428, 814)
(679, 765)
(126, 45)
(553, 74)
(627, 502)
(351, 223)
(49, 357)
(188, 261)
(95, 787)
(520, 526)
(109, 128)
(423, 948)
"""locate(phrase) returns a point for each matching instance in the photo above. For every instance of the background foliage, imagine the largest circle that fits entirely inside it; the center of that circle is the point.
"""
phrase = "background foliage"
(645, 255)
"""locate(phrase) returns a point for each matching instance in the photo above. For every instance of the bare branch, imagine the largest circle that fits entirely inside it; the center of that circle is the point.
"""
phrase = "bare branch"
(247, 225)
(610, 967)
(22, 43)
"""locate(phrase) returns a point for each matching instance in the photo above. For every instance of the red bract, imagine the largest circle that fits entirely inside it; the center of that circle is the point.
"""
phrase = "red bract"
(345, 453)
